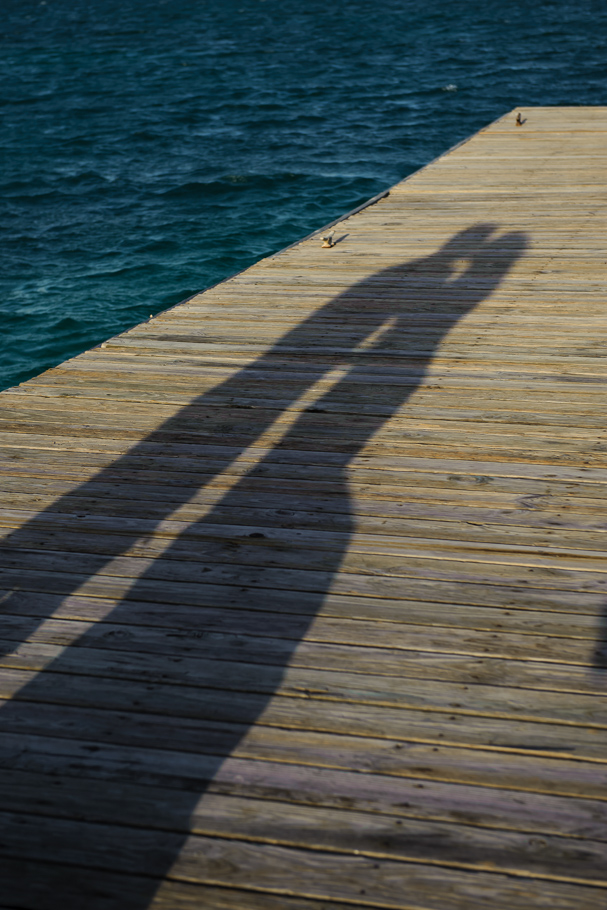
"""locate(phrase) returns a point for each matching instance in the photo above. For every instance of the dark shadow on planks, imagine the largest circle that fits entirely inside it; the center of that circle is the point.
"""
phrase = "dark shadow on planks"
(600, 654)
(371, 321)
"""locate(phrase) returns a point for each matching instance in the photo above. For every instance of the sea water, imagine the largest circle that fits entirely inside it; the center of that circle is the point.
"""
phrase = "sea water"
(151, 149)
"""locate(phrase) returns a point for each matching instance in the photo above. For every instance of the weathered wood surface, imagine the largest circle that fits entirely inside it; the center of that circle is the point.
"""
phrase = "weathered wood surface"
(303, 582)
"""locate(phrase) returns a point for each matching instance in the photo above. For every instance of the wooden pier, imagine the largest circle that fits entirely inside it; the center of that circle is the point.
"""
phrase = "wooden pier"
(303, 586)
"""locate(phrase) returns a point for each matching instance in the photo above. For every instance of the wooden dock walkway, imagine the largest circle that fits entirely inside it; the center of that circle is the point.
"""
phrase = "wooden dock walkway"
(303, 584)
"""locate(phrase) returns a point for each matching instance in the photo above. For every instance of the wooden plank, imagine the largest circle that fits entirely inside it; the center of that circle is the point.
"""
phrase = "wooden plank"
(492, 420)
(286, 549)
(344, 620)
(336, 830)
(216, 861)
(171, 594)
(37, 883)
(383, 576)
(496, 768)
(308, 710)
(227, 673)
(419, 798)
(329, 829)
(406, 651)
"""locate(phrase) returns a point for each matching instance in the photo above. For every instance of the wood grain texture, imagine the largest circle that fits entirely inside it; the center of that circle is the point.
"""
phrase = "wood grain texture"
(303, 584)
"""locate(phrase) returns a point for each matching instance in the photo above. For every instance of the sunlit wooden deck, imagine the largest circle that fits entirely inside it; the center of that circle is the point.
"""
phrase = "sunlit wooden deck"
(303, 582)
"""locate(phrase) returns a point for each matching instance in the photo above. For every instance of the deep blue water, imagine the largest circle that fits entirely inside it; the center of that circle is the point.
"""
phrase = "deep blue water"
(150, 149)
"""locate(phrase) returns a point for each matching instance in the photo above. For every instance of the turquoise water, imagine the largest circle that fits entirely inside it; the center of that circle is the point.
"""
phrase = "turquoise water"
(152, 149)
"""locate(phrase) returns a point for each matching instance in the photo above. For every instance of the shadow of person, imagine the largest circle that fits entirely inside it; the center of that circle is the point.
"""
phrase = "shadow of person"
(188, 659)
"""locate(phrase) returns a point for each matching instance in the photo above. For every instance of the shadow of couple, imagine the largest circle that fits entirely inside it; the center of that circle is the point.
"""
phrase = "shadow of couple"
(183, 649)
